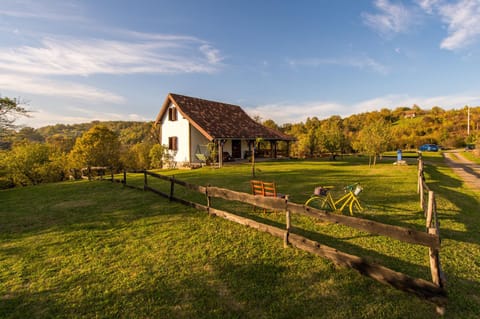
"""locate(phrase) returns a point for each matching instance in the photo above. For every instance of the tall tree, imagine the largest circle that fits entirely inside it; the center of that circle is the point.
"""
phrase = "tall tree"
(10, 109)
(99, 146)
(331, 135)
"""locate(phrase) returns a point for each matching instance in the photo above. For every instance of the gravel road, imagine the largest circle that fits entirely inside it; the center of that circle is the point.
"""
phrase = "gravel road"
(467, 170)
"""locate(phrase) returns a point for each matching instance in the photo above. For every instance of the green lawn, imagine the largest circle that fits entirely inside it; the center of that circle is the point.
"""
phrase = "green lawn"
(471, 156)
(96, 249)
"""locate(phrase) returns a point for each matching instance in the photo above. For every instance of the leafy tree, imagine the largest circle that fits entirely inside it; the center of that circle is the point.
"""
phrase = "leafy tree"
(271, 124)
(9, 111)
(99, 146)
(60, 143)
(297, 130)
(331, 135)
(373, 139)
(158, 155)
(256, 145)
(30, 134)
(137, 156)
(31, 163)
(313, 138)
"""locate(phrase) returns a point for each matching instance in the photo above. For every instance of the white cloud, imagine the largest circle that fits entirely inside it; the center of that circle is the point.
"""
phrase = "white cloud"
(463, 23)
(213, 55)
(392, 18)
(69, 56)
(42, 86)
(298, 112)
(52, 10)
(356, 62)
(461, 18)
(428, 5)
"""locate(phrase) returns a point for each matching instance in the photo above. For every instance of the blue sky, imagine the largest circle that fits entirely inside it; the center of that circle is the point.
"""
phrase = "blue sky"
(76, 61)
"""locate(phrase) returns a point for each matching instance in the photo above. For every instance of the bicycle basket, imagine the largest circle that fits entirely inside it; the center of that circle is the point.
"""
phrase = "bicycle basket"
(320, 191)
(358, 190)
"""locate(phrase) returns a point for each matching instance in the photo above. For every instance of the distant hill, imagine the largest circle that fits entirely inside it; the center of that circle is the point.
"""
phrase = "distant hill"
(412, 126)
(129, 132)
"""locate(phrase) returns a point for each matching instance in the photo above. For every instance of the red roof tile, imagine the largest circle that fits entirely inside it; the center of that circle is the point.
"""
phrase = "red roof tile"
(218, 120)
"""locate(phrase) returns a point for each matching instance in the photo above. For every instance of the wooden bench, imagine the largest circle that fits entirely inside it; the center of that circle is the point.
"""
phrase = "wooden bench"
(266, 189)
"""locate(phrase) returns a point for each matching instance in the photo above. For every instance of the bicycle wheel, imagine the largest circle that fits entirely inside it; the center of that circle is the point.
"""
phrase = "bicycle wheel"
(318, 202)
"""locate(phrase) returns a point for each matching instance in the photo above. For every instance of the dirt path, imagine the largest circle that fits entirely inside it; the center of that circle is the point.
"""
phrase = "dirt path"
(467, 170)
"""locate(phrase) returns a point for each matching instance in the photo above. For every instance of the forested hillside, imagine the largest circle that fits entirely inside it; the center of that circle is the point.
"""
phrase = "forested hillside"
(403, 128)
(128, 132)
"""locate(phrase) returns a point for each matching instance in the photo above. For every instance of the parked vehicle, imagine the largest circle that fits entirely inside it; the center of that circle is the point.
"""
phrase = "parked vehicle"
(429, 148)
(470, 147)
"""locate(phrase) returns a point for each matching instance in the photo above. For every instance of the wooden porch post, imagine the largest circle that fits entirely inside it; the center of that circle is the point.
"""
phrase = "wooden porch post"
(220, 153)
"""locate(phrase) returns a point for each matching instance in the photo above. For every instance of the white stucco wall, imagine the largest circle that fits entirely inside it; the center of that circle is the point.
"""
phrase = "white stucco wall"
(180, 129)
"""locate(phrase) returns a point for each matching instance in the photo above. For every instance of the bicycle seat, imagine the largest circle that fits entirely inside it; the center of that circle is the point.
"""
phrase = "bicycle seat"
(321, 190)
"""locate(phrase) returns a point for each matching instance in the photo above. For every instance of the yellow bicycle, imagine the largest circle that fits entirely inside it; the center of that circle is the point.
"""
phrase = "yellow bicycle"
(322, 199)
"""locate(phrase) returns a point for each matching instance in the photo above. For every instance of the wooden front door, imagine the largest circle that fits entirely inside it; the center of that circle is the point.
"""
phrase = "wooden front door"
(236, 148)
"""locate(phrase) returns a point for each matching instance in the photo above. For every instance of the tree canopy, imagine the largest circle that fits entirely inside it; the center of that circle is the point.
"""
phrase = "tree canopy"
(10, 109)
(99, 146)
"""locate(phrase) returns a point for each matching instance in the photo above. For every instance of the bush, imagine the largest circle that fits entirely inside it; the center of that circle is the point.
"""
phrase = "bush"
(31, 163)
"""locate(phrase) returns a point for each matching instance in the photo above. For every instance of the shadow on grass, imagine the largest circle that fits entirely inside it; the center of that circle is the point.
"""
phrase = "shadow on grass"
(227, 289)
(445, 185)
(90, 206)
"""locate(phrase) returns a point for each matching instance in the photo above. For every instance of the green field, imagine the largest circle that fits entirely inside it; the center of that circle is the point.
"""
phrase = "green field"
(97, 249)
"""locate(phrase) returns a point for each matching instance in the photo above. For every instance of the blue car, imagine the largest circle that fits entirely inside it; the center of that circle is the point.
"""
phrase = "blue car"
(428, 148)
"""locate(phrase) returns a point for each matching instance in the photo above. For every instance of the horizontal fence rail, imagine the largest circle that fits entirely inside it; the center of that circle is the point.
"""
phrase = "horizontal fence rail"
(433, 291)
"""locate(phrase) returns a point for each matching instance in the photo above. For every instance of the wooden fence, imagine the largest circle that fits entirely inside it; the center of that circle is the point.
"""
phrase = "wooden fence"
(432, 291)
(429, 206)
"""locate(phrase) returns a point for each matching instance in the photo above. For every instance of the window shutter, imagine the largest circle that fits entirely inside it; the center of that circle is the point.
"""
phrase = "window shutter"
(173, 143)
(172, 114)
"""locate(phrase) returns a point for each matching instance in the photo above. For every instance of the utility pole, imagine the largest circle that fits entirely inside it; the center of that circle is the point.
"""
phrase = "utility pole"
(468, 120)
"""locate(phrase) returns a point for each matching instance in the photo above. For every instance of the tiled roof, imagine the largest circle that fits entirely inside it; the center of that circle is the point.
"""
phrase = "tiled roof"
(218, 120)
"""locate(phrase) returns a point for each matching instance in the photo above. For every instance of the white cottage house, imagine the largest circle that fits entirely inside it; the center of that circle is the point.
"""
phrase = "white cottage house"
(188, 124)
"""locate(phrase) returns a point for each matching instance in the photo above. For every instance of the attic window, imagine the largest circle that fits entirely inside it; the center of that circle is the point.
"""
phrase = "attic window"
(172, 114)
(172, 143)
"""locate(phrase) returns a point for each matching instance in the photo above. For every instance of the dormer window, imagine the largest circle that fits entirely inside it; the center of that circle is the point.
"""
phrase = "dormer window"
(172, 114)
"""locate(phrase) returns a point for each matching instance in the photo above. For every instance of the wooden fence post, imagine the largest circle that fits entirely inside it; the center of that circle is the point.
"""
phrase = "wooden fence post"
(434, 261)
(288, 225)
(430, 212)
(420, 189)
(209, 199)
(419, 173)
(433, 253)
(172, 187)
(422, 195)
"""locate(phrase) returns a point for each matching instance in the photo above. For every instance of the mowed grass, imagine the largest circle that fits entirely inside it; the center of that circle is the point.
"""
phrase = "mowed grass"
(96, 249)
